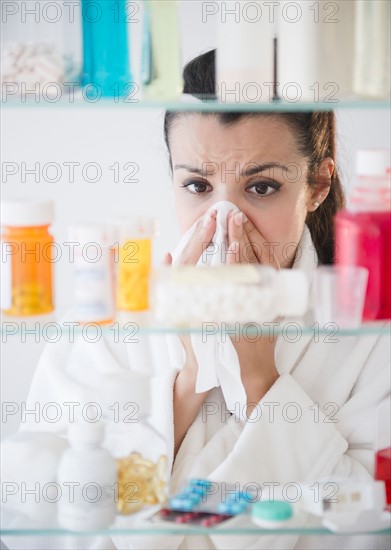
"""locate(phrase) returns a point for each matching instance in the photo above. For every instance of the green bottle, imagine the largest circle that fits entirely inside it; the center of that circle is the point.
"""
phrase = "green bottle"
(161, 63)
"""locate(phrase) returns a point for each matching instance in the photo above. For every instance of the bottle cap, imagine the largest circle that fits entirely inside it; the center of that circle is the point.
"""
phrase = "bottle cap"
(127, 387)
(134, 227)
(372, 195)
(293, 292)
(83, 432)
(26, 213)
(89, 233)
(272, 510)
(373, 162)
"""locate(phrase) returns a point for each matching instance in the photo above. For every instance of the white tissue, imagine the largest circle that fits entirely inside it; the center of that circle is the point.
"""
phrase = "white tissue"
(218, 362)
(216, 253)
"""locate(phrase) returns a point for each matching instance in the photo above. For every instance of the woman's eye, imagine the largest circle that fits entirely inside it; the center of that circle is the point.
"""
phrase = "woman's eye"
(264, 189)
(196, 187)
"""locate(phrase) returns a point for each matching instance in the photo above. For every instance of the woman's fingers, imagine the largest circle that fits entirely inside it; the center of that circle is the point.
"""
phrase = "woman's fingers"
(263, 249)
(167, 259)
(202, 236)
(247, 244)
(240, 249)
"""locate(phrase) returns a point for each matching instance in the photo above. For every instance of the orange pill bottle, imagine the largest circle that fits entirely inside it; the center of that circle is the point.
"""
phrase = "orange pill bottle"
(134, 264)
(27, 256)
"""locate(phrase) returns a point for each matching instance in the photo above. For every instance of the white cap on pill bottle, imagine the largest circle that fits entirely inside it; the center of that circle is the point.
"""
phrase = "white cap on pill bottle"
(373, 162)
(26, 213)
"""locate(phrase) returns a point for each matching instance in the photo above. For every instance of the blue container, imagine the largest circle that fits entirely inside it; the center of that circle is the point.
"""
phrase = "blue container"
(106, 56)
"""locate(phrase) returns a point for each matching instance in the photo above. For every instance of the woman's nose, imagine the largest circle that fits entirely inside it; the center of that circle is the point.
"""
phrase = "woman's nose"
(231, 197)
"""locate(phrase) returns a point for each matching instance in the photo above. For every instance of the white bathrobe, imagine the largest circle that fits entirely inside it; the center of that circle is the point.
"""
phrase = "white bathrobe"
(324, 405)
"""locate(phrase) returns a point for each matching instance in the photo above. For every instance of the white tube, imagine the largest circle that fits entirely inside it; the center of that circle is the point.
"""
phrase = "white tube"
(372, 45)
(244, 60)
(315, 50)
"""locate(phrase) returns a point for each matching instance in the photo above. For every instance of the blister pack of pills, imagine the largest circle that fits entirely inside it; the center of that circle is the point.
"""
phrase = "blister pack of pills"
(205, 496)
(202, 519)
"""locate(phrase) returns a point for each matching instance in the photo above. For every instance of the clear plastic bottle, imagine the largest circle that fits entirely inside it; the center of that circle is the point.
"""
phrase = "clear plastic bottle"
(363, 230)
(27, 257)
(141, 452)
(87, 477)
(93, 274)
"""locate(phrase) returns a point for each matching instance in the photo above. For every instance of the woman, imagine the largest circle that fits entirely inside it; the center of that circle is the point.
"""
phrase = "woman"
(292, 181)
(310, 403)
(294, 186)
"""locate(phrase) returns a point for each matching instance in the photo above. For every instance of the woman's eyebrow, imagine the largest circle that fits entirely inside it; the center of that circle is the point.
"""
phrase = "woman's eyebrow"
(249, 169)
(252, 168)
(192, 169)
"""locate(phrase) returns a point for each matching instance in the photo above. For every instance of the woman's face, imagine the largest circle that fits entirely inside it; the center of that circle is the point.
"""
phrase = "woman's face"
(253, 163)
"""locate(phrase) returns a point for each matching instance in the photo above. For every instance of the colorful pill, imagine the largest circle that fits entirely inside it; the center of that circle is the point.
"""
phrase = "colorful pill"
(181, 504)
(206, 483)
(181, 519)
(232, 508)
(214, 519)
(193, 497)
(197, 490)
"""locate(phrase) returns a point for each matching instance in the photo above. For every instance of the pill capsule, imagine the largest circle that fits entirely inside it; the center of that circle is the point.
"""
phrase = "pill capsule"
(200, 483)
(232, 508)
(193, 497)
(181, 504)
(213, 520)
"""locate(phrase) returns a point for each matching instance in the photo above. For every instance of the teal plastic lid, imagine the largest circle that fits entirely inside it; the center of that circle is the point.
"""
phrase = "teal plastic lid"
(277, 510)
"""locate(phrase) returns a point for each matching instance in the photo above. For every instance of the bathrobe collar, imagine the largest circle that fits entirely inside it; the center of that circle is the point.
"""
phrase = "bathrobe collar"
(292, 343)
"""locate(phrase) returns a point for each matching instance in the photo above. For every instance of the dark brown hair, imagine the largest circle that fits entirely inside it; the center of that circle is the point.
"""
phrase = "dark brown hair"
(315, 134)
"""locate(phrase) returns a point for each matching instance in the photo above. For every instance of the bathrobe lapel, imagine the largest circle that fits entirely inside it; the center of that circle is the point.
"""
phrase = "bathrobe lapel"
(292, 344)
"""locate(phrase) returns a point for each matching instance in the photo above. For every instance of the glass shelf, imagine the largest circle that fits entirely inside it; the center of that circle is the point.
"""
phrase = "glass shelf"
(190, 103)
(140, 526)
(128, 327)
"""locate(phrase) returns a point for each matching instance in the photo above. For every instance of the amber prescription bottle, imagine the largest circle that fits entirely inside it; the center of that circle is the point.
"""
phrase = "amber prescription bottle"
(26, 257)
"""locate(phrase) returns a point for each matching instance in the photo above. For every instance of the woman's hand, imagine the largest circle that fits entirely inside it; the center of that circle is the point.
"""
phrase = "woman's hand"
(246, 243)
(202, 236)
(256, 356)
(199, 241)
(187, 402)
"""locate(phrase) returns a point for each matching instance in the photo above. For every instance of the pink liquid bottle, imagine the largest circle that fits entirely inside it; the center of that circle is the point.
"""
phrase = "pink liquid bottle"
(363, 231)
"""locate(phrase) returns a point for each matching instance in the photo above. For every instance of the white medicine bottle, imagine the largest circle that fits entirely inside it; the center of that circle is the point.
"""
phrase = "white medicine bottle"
(93, 274)
(133, 437)
(87, 477)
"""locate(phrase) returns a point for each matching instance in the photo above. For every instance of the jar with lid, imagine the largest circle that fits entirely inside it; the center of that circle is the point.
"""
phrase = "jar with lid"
(133, 438)
(27, 257)
(41, 53)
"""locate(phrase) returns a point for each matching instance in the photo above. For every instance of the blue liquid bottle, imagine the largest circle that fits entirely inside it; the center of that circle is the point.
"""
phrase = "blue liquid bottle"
(106, 56)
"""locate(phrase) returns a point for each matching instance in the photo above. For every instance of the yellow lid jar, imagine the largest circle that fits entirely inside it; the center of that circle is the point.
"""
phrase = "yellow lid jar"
(27, 256)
